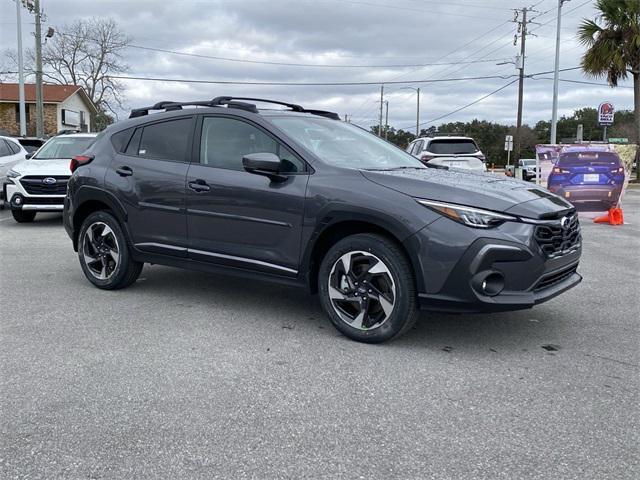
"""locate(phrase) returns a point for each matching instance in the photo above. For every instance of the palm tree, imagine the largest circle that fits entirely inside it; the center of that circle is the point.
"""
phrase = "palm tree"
(613, 46)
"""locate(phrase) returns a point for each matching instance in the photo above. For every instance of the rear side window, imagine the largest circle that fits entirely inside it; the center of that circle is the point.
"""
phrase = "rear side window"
(4, 149)
(134, 143)
(13, 147)
(165, 140)
(452, 146)
(225, 141)
(121, 139)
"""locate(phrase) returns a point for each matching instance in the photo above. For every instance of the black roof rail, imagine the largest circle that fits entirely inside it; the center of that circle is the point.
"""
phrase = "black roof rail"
(229, 102)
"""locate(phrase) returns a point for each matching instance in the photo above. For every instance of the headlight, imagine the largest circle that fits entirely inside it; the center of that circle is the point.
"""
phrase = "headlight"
(12, 174)
(470, 216)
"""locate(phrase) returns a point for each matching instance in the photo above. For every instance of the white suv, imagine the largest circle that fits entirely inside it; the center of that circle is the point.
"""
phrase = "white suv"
(39, 184)
(428, 148)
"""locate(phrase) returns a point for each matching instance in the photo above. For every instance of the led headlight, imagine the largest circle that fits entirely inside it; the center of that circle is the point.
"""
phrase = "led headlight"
(12, 174)
(470, 216)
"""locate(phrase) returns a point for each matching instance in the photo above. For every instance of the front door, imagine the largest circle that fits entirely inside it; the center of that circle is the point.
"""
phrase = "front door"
(240, 219)
(148, 176)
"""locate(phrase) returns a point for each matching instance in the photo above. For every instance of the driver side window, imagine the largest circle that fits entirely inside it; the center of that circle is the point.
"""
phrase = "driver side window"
(224, 141)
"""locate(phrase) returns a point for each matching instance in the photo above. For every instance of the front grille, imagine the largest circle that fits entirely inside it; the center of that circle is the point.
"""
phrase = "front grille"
(556, 239)
(35, 185)
(556, 277)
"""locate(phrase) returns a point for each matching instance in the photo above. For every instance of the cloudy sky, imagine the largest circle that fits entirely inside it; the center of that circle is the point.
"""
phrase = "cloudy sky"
(463, 38)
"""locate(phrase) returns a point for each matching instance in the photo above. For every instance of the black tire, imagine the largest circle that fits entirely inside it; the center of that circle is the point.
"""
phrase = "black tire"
(23, 216)
(403, 313)
(118, 274)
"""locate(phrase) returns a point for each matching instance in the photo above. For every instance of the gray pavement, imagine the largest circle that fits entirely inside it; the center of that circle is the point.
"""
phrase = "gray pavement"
(189, 375)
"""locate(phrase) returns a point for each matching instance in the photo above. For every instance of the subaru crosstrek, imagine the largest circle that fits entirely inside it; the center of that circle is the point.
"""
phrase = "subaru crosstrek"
(300, 197)
(590, 178)
(39, 183)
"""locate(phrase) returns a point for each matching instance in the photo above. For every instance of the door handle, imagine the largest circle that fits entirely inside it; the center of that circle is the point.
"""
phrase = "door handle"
(199, 185)
(124, 171)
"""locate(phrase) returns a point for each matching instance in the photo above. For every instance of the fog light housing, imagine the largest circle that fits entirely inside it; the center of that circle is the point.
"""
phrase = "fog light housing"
(17, 200)
(489, 283)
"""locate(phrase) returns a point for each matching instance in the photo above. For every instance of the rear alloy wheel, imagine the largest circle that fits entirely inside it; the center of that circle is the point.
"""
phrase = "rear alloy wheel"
(23, 216)
(103, 253)
(367, 288)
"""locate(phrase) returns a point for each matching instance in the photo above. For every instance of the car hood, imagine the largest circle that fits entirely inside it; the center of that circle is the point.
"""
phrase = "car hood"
(482, 190)
(43, 167)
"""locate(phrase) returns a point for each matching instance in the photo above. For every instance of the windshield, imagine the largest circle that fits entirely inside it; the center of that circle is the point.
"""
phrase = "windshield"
(528, 163)
(583, 159)
(452, 147)
(345, 145)
(63, 147)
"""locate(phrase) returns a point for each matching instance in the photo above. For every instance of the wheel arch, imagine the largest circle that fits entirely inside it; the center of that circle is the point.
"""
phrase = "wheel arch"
(341, 226)
(89, 200)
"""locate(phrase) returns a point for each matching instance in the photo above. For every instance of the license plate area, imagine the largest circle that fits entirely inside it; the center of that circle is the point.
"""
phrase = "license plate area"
(591, 177)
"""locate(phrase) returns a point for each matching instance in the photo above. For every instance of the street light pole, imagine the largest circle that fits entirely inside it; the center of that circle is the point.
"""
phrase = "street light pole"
(418, 113)
(386, 119)
(39, 99)
(554, 108)
(381, 105)
(22, 109)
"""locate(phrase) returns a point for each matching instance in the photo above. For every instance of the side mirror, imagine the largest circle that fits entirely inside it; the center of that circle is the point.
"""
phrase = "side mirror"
(29, 155)
(267, 164)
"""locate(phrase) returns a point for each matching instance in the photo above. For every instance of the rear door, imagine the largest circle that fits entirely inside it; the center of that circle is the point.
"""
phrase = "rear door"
(148, 176)
(240, 219)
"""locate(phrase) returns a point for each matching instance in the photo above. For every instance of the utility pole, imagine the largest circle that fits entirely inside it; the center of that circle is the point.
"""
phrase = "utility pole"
(22, 108)
(386, 120)
(554, 108)
(523, 35)
(418, 113)
(381, 105)
(39, 100)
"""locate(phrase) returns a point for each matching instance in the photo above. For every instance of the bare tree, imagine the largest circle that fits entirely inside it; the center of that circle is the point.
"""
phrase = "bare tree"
(86, 53)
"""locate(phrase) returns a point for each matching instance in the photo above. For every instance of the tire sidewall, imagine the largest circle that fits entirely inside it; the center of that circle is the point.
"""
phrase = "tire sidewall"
(404, 301)
(121, 270)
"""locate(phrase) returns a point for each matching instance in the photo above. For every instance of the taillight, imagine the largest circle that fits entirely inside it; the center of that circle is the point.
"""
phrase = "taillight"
(482, 157)
(79, 160)
(426, 158)
(618, 170)
(560, 170)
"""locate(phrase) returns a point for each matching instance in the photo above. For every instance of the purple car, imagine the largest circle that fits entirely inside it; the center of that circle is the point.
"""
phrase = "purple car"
(591, 180)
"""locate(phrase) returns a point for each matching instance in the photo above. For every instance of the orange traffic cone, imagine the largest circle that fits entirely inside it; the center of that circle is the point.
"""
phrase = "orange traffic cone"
(613, 217)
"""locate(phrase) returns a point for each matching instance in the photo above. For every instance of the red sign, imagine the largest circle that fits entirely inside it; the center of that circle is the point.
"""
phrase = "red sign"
(605, 113)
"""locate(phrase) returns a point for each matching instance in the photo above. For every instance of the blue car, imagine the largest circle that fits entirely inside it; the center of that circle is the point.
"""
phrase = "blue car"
(591, 180)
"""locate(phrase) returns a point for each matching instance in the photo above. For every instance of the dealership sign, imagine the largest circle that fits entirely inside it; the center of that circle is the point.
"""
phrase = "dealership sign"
(605, 113)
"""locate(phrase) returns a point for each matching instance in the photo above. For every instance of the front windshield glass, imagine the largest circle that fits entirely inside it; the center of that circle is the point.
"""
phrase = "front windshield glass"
(345, 145)
(63, 147)
(528, 163)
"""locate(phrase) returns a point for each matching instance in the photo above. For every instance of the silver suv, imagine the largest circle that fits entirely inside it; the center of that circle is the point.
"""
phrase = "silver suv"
(444, 145)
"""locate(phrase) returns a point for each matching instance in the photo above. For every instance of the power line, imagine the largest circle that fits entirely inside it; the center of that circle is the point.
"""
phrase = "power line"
(292, 64)
(316, 84)
(409, 9)
(478, 100)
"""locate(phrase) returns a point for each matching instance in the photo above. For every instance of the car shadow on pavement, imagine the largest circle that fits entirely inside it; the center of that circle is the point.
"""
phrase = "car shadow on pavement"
(290, 308)
(41, 220)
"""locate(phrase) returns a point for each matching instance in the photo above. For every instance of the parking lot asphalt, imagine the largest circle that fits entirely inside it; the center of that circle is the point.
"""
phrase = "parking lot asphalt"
(189, 375)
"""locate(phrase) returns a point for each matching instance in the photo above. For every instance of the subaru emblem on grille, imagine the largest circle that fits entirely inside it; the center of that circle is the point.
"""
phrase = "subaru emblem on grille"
(49, 180)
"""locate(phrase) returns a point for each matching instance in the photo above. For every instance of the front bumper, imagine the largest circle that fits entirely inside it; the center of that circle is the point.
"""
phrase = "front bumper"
(38, 203)
(601, 193)
(462, 269)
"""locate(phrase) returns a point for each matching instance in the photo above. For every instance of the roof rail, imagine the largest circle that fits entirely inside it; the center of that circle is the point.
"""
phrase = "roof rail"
(229, 102)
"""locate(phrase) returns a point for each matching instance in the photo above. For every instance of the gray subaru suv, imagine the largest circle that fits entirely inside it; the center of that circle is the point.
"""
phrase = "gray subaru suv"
(297, 196)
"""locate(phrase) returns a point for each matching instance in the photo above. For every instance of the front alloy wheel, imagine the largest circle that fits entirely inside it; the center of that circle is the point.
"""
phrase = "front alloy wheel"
(367, 288)
(362, 290)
